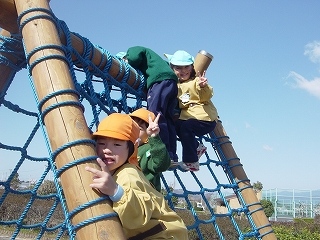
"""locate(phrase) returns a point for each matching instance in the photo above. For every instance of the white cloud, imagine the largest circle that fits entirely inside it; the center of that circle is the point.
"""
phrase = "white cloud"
(312, 50)
(311, 86)
(267, 147)
(247, 125)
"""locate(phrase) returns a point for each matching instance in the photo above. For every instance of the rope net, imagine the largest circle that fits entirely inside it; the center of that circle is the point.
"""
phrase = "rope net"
(38, 207)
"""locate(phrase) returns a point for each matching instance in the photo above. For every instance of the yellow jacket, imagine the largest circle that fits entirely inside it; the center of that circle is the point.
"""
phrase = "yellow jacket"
(195, 102)
(141, 207)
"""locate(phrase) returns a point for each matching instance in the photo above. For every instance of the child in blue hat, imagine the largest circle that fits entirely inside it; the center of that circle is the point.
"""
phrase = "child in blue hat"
(198, 114)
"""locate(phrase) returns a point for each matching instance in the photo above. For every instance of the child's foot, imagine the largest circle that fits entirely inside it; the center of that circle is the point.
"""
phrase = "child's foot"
(175, 164)
(201, 150)
(193, 167)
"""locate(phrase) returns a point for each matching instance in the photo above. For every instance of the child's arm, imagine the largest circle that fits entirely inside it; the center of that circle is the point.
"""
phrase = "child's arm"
(205, 91)
(103, 181)
(159, 157)
(159, 160)
(139, 201)
(134, 201)
(203, 81)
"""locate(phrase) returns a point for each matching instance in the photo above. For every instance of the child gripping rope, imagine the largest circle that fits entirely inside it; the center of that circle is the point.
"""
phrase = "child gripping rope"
(142, 210)
(197, 115)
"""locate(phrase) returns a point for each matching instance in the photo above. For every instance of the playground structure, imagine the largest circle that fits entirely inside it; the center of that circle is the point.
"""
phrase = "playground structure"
(50, 53)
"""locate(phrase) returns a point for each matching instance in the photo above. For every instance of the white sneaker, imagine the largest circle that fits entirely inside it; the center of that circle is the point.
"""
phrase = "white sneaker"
(201, 150)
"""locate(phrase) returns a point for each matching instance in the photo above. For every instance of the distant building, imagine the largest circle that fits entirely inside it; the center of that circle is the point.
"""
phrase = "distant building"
(232, 201)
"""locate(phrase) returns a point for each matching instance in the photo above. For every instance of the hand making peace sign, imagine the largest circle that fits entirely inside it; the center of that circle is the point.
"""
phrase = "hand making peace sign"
(203, 81)
(102, 179)
(153, 128)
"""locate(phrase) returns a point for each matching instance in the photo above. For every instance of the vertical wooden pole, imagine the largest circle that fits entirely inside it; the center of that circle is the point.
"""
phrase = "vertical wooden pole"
(65, 124)
(249, 196)
(6, 71)
(201, 63)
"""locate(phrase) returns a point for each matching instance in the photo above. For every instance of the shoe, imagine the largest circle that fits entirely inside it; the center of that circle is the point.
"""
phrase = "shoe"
(201, 150)
(193, 167)
(176, 164)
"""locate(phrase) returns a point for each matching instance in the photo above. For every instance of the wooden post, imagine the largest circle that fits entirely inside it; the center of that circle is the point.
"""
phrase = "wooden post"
(8, 16)
(201, 63)
(240, 177)
(100, 59)
(65, 124)
(8, 21)
(6, 71)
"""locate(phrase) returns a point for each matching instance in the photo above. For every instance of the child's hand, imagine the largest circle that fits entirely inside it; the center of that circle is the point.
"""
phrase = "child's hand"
(153, 128)
(102, 180)
(203, 81)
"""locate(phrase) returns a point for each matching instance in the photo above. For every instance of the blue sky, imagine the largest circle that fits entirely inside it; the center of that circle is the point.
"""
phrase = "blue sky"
(265, 72)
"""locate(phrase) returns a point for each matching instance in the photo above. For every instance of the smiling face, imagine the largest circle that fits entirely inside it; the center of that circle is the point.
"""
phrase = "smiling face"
(183, 72)
(113, 152)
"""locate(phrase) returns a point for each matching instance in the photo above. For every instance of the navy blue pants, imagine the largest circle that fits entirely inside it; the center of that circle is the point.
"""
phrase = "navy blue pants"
(187, 130)
(162, 98)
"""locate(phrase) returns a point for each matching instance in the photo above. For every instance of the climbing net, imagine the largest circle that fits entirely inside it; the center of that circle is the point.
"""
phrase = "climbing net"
(203, 199)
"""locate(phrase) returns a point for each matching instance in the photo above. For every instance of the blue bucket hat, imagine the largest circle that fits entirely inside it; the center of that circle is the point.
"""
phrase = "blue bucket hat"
(180, 58)
(120, 55)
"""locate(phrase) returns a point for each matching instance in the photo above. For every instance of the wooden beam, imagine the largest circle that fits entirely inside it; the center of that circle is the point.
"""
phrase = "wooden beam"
(65, 124)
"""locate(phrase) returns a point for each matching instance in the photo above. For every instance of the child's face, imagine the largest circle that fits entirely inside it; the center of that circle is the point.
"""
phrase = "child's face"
(183, 72)
(143, 135)
(113, 152)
